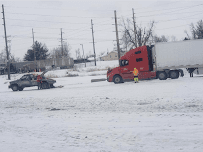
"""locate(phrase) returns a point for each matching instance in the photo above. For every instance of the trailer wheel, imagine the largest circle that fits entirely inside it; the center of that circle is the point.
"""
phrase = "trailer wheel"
(162, 75)
(14, 87)
(117, 79)
(174, 74)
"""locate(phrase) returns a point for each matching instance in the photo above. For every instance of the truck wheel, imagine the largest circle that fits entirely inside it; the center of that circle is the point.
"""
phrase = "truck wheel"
(117, 79)
(162, 75)
(15, 88)
(174, 74)
(20, 88)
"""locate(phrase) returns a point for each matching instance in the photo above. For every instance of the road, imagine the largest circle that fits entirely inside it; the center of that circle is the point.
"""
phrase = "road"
(152, 115)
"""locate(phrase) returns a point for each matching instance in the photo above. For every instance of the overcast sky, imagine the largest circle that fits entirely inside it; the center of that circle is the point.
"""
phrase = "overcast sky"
(47, 18)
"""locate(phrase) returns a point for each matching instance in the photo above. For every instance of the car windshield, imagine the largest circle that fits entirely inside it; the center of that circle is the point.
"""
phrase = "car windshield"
(124, 62)
(24, 77)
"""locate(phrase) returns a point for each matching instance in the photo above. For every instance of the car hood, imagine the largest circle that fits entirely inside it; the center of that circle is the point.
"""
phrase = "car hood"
(15, 81)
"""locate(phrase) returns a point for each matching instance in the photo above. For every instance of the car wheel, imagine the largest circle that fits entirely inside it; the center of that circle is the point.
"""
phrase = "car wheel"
(162, 75)
(117, 79)
(52, 86)
(45, 85)
(15, 88)
(21, 88)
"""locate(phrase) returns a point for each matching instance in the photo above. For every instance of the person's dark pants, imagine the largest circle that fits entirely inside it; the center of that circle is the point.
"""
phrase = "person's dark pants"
(191, 74)
(39, 85)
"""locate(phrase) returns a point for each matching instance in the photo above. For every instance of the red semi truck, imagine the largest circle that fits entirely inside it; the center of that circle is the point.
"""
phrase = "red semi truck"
(162, 60)
(139, 58)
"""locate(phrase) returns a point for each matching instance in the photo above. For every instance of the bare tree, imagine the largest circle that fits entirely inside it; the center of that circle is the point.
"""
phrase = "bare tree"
(3, 55)
(58, 53)
(77, 51)
(162, 38)
(173, 38)
(196, 31)
(143, 34)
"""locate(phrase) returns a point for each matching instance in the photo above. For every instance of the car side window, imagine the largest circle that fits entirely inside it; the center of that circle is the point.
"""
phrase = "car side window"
(32, 77)
(23, 77)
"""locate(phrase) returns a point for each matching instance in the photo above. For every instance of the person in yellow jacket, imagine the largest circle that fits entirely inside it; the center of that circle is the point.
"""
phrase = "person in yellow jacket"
(135, 72)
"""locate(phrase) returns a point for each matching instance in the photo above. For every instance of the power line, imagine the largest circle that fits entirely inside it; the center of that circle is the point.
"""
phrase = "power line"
(43, 21)
(53, 8)
(176, 9)
(173, 27)
(53, 15)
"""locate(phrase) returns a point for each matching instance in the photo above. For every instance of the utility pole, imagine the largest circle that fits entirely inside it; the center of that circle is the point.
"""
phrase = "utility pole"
(117, 39)
(83, 54)
(93, 43)
(33, 44)
(61, 42)
(33, 38)
(8, 60)
(135, 32)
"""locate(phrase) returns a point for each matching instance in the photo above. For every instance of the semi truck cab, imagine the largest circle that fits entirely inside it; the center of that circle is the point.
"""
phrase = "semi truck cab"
(139, 58)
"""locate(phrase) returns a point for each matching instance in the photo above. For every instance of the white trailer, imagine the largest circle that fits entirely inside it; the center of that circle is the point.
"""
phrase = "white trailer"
(169, 57)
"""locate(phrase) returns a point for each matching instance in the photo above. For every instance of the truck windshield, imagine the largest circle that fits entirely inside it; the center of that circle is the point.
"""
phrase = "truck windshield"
(124, 62)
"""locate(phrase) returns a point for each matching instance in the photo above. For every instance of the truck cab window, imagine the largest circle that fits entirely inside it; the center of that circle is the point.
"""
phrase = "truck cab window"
(124, 62)
(139, 59)
(137, 52)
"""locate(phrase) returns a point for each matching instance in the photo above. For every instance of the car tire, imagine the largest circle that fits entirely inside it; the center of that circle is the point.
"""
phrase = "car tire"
(117, 79)
(20, 88)
(162, 75)
(52, 86)
(45, 85)
(14, 87)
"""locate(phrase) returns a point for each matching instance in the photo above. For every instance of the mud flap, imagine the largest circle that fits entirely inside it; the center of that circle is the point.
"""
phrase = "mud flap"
(181, 72)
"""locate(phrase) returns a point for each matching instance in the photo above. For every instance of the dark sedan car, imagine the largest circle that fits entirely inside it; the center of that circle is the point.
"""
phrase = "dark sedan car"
(30, 80)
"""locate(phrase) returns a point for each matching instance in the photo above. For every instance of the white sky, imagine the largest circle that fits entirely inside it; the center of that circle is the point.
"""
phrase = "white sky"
(74, 17)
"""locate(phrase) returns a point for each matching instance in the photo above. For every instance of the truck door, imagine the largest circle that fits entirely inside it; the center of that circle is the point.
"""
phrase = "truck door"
(125, 71)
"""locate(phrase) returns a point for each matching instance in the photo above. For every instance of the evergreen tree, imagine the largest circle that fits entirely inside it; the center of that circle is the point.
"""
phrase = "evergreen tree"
(41, 52)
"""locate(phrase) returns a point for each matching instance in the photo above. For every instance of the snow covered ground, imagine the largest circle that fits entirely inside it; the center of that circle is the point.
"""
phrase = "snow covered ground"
(151, 116)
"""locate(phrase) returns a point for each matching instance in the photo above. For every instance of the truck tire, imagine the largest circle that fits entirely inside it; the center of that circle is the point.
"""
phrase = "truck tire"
(162, 75)
(174, 74)
(117, 79)
(20, 88)
(14, 87)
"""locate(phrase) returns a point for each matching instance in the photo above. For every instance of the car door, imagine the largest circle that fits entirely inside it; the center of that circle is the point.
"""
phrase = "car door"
(33, 80)
(25, 81)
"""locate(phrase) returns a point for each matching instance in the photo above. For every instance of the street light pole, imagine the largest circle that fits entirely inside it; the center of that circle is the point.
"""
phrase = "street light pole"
(83, 54)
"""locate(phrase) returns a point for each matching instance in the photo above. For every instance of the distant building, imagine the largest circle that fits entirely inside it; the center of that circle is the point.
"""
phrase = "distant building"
(113, 55)
(1, 61)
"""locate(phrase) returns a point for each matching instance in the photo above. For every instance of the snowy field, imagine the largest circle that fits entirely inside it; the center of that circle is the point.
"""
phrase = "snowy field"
(151, 116)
